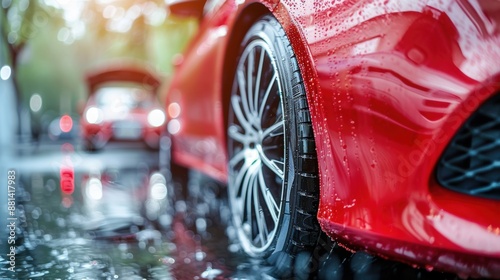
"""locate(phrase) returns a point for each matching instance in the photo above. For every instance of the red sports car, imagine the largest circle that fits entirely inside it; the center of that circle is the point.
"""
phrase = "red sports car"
(122, 105)
(374, 121)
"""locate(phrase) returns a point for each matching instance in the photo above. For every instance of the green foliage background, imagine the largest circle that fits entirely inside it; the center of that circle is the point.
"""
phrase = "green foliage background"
(55, 69)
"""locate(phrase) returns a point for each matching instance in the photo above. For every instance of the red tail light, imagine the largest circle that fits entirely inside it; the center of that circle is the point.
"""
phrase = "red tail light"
(67, 180)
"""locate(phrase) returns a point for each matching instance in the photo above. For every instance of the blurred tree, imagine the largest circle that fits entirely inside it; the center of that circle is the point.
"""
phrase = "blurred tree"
(18, 25)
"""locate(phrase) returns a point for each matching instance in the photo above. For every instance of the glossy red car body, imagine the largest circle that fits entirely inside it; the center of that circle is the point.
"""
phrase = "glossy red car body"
(389, 83)
(133, 122)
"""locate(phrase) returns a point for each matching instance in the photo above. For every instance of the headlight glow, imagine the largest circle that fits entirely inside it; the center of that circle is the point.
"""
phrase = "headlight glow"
(158, 191)
(158, 186)
(93, 115)
(94, 189)
(156, 117)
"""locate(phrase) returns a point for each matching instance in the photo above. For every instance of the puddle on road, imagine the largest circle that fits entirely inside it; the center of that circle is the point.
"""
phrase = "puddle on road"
(74, 233)
(65, 240)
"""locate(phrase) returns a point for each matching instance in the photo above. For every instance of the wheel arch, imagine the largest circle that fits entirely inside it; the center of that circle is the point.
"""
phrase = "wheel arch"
(244, 20)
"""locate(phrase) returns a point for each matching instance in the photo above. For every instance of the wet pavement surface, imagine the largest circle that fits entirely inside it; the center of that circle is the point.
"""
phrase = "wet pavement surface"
(112, 215)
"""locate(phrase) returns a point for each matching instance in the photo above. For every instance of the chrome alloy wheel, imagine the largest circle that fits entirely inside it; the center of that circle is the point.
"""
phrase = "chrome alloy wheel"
(256, 142)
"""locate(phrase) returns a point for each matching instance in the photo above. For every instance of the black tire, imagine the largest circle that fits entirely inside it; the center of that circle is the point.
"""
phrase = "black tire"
(271, 151)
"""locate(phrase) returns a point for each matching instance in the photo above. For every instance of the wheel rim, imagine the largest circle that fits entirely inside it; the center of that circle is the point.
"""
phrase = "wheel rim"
(256, 141)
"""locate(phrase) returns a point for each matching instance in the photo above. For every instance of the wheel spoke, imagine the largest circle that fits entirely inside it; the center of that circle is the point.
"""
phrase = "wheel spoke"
(258, 214)
(244, 95)
(257, 83)
(236, 135)
(239, 156)
(268, 198)
(243, 177)
(250, 182)
(250, 65)
(242, 190)
(239, 114)
(243, 186)
(274, 128)
(271, 164)
(266, 96)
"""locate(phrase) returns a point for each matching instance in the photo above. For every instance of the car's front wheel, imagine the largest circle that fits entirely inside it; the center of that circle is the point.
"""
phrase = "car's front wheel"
(273, 182)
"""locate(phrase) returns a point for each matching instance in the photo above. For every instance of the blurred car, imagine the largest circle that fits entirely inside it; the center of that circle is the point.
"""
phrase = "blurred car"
(122, 105)
(376, 122)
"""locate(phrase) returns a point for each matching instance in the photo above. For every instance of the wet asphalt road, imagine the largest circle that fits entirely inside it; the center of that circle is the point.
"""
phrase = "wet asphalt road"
(112, 216)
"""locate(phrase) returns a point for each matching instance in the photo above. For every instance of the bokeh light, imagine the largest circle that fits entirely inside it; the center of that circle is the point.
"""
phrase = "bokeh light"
(35, 102)
(5, 72)
(66, 123)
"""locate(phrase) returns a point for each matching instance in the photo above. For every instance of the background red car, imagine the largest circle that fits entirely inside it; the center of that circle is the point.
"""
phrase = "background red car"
(376, 122)
(122, 105)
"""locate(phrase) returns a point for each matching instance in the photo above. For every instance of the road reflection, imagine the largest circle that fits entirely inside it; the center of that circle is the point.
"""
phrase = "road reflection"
(109, 215)
(113, 215)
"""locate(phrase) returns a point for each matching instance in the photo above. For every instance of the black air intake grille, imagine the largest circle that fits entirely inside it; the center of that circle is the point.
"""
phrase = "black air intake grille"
(471, 162)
